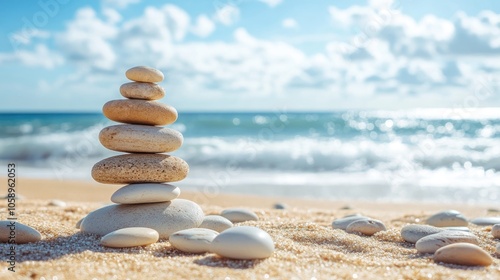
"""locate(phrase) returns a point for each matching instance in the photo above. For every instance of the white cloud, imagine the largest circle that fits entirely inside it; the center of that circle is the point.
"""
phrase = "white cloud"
(203, 27)
(227, 14)
(289, 23)
(41, 56)
(120, 4)
(25, 36)
(272, 3)
(112, 15)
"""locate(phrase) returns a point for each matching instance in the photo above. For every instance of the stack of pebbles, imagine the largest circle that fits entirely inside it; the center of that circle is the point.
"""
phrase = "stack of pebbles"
(146, 208)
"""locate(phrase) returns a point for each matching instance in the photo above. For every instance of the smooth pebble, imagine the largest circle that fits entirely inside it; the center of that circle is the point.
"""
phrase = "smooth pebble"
(140, 112)
(366, 227)
(342, 223)
(216, 222)
(164, 217)
(280, 206)
(486, 221)
(430, 243)
(243, 242)
(463, 254)
(140, 168)
(448, 218)
(144, 74)
(142, 91)
(23, 233)
(57, 203)
(238, 215)
(193, 240)
(412, 233)
(457, 228)
(130, 237)
(495, 231)
(145, 193)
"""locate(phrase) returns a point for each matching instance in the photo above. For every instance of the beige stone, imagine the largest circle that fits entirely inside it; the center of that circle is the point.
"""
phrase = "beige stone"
(495, 231)
(216, 222)
(144, 74)
(22, 233)
(134, 138)
(448, 218)
(238, 215)
(366, 227)
(145, 91)
(140, 112)
(130, 237)
(140, 168)
(431, 243)
(463, 254)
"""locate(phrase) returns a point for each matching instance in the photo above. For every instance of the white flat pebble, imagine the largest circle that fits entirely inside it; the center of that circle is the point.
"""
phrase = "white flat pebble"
(130, 237)
(164, 217)
(344, 222)
(145, 193)
(412, 233)
(238, 215)
(463, 254)
(79, 223)
(244, 243)
(431, 243)
(216, 222)
(366, 227)
(193, 240)
(57, 202)
(486, 221)
(449, 218)
(144, 74)
(495, 231)
(457, 228)
(22, 233)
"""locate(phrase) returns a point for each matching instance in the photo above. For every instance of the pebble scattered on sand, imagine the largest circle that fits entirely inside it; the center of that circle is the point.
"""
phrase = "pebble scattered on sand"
(238, 215)
(495, 231)
(140, 112)
(243, 242)
(79, 223)
(193, 240)
(164, 217)
(280, 206)
(431, 243)
(448, 218)
(135, 138)
(22, 233)
(366, 227)
(463, 254)
(144, 74)
(216, 222)
(457, 228)
(412, 233)
(486, 221)
(57, 203)
(142, 91)
(130, 237)
(342, 223)
(145, 193)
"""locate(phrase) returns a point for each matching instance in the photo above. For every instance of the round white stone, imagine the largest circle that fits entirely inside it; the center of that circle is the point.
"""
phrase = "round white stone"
(463, 254)
(23, 233)
(243, 242)
(57, 203)
(216, 222)
(164, 217)
(486, 221)
(130, 237)
(342, 223)
(366, 227)
(238, 215)
(449, 218)
(412, 233)
(193, 240)
(431, 243)
(495, 231)
(145, 193)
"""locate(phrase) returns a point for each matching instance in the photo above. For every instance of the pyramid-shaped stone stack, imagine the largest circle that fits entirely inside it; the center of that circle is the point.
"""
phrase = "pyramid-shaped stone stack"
(146, 201)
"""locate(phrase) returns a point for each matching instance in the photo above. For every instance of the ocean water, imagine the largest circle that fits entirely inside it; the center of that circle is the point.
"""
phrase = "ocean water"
(418, 155)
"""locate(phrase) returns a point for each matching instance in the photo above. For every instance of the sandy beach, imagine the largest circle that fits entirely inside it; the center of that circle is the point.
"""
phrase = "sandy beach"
(306, 245)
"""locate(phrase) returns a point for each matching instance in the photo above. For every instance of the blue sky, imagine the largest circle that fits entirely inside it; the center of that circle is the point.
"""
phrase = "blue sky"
(253, 55)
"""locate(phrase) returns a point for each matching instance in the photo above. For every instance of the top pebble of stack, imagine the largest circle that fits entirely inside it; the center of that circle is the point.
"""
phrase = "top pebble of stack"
(144, 74)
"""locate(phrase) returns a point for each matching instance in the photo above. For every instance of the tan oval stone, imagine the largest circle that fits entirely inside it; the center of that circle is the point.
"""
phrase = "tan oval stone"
(145, 91)
(22, 233)
(144, 74)
(463, 254)
(140, 168)
(130, 237)
(140, 112)
(134, 138)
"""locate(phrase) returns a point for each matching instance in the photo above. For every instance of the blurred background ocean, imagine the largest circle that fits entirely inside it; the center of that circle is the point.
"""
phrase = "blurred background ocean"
(426, 154)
